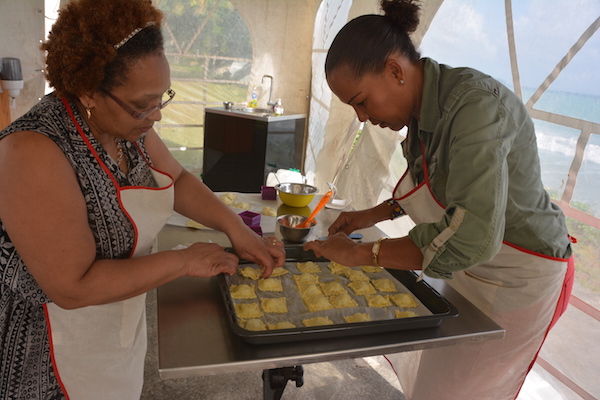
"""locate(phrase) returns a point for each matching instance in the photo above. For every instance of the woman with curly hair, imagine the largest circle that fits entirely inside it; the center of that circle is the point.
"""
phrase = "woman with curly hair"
(473, 187)
(85, 186)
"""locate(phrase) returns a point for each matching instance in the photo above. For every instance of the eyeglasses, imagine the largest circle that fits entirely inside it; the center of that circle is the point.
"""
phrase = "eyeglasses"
(143, 114)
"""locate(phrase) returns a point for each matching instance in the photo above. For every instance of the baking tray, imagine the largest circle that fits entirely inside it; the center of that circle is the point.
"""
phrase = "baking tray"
(439, 307)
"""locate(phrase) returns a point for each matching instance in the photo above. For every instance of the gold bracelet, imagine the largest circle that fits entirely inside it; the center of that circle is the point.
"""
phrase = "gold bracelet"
(375, 251)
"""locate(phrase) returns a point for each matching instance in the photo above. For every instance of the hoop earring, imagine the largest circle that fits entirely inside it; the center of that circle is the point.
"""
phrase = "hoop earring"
(89, 113)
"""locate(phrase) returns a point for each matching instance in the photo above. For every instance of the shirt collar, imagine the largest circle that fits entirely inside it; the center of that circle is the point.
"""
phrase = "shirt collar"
(430, 109)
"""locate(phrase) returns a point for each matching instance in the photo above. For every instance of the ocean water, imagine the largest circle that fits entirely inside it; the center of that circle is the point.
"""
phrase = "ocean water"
(557, 144)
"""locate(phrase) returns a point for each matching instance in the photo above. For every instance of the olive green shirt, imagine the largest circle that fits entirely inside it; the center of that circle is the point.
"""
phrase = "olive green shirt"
(481, 153)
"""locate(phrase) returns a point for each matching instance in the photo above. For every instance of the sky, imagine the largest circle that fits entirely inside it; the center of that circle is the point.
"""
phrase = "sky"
(474, 34)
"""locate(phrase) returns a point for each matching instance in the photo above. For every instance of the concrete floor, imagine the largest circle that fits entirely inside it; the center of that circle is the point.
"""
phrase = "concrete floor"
(364, 378)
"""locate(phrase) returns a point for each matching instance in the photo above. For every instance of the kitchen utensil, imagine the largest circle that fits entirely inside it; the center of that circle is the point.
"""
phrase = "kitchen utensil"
(318, 208)
(288, 227)
(296, 194)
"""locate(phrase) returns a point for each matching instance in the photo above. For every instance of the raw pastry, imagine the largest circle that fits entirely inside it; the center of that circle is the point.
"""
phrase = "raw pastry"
(309, 289)
(279, 271)
(306, 278)
(269, 212)
(361, 288)
(193, 224)
(242, 292)
(405, 314)
(316, 321)
(371, 268)
(317, 303)
(405, 300)
(228, 198)
(384, 285)
(274, 305)
(270, 285)
(242, 206)
(338, 269)
(308, 267)
(330, 288)
(247, 310)
(343, 300)
(356, 275)
(281, 325)
(253, 325)
(377, 300)
(358, 317)
(250, 272)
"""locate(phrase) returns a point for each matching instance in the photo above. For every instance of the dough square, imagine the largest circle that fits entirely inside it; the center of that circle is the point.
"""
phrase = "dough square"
(356, 275)
(309, 267)
(405, 314)
(384, 285)
(358, 317)
(306, 278)
(361, 288)
(270, 285)
(247, 310)
(280, 325)
(253, 324)
(330, 288)
(316, 321)
(377, 300)
(308, 290)
(279, 272)
(371, 268)
(242, 292)
(317, 303)
(250, 272)
(338, 269)
(275, 305)
(343, 300)
(404, 300)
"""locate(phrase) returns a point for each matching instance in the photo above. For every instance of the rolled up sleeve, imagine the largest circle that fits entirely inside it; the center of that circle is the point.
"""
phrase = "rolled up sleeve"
(472, 163)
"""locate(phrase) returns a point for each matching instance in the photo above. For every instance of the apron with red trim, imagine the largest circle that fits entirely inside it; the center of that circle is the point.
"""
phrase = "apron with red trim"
(98, 351)
(522, 291)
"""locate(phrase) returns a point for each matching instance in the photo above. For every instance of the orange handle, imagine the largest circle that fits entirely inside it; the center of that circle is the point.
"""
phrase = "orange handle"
(318, 208)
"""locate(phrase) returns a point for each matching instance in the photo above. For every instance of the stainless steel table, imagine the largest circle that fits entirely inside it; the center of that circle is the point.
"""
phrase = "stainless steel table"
(194, 337)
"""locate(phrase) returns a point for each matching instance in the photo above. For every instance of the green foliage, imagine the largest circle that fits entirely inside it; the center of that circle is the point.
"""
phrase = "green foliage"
(222, 31)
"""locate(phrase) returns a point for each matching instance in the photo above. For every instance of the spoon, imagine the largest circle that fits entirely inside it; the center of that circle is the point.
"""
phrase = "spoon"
(318, 208)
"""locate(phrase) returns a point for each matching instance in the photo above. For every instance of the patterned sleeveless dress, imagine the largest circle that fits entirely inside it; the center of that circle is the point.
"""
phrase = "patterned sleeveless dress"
(26, 371)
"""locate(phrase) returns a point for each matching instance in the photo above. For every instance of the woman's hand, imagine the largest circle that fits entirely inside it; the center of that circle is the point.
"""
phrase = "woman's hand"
(267, 252)
(203, 260)
(348, 222)
(339, 248)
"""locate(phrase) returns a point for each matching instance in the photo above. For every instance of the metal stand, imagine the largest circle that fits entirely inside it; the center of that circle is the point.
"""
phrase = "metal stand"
(274, 380)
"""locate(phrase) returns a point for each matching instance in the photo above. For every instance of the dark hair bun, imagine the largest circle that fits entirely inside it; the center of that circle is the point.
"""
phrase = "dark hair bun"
(404, 12)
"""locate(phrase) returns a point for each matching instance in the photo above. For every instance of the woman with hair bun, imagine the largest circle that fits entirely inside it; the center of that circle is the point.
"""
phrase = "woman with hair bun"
(473, 187)
(86, 184)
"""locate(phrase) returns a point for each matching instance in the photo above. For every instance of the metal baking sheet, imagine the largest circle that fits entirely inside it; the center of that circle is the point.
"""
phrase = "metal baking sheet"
(432, 309)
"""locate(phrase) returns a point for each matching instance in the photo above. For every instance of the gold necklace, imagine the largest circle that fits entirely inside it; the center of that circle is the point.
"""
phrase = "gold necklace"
(120, 152)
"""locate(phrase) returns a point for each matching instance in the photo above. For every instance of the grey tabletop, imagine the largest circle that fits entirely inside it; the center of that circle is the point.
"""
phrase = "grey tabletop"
(194, 336)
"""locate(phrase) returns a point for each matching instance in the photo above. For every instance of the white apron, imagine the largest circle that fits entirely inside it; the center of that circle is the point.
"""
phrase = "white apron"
(518, 289)
(98, 351)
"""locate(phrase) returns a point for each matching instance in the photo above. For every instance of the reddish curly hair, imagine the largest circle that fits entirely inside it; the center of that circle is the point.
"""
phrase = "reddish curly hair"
(81, 56)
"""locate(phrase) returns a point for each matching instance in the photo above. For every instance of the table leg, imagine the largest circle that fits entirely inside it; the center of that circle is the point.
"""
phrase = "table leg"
(274, 380)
